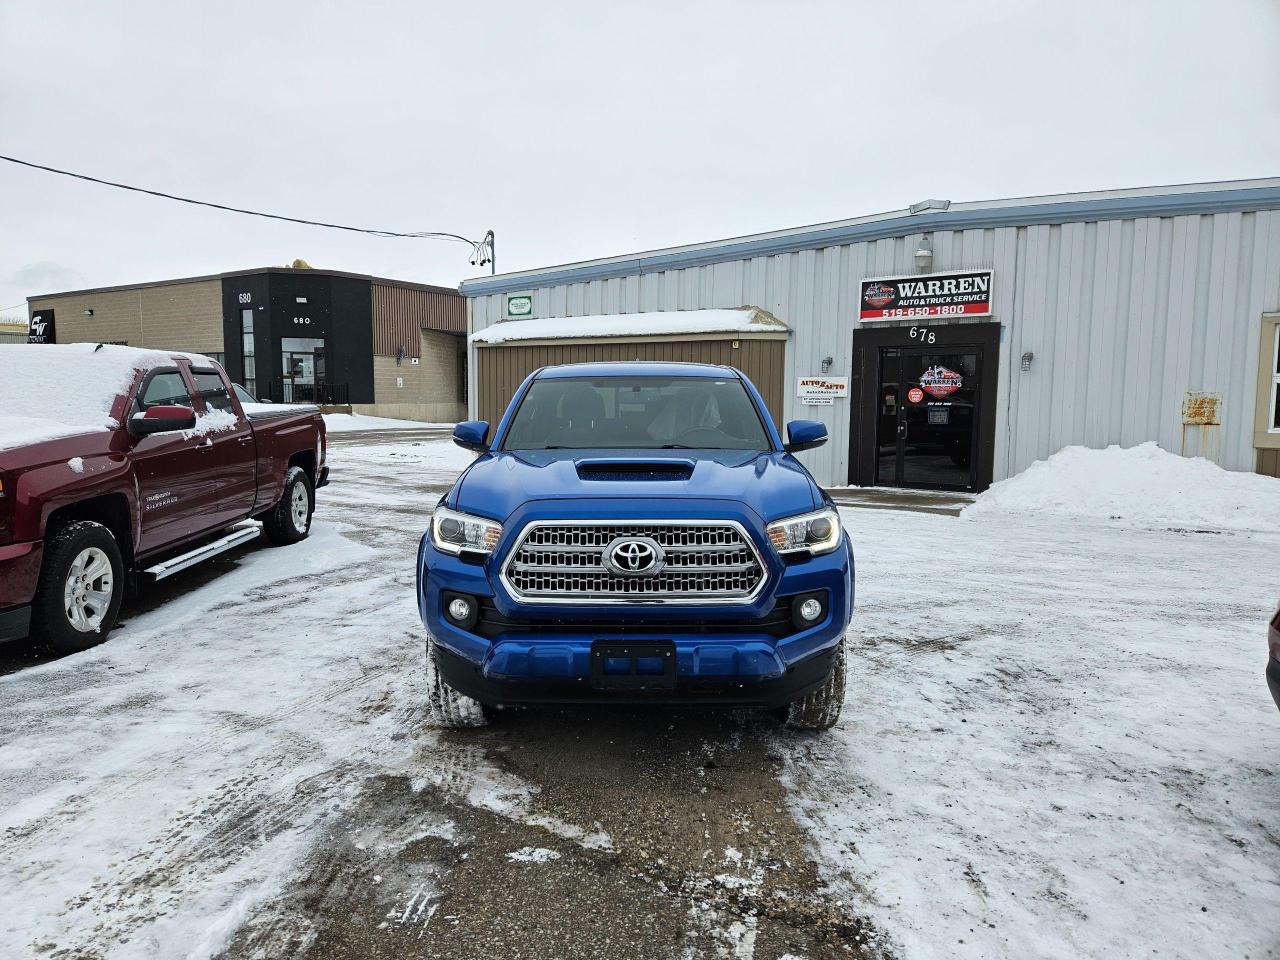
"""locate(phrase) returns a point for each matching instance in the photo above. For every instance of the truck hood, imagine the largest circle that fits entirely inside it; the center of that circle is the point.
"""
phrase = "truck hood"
(772, 485)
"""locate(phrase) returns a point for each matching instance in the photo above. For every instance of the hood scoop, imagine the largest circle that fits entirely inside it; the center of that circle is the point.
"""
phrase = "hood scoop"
(635, 471)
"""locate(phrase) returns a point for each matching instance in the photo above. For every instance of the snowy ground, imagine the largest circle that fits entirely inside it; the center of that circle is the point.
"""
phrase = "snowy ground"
(349, 422)
(1057, 743)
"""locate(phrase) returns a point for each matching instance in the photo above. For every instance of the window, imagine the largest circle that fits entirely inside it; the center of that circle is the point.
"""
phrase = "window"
(212, 390)
(462, 374)
(637, 413)
(217, 358)
(165, 388)
(250, 358)
(1274, 425)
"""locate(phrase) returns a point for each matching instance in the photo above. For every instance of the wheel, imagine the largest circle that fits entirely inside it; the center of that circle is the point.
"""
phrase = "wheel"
(80, 588)
(446, 707)
(820, 709)
(290, 519)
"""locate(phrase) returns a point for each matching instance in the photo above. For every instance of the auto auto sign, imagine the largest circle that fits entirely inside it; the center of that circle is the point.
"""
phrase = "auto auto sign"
(941, 382)
(966, 293)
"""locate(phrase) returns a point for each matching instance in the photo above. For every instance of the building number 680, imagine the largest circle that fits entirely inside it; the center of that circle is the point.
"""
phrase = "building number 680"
(923, 334)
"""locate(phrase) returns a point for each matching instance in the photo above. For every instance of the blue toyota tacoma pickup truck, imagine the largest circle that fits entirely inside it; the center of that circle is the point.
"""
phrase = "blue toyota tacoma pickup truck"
(636, 532)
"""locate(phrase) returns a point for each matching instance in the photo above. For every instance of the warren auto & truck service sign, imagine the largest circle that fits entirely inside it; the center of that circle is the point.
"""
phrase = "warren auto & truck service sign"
(963, 294)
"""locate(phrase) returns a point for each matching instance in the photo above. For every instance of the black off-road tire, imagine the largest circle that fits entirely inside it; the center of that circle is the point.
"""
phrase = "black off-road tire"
(446, 707)
(290, 519)
(820, 709)
(51, 624)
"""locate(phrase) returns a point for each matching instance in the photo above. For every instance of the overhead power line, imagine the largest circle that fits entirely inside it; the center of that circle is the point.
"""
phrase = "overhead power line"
(481, 250)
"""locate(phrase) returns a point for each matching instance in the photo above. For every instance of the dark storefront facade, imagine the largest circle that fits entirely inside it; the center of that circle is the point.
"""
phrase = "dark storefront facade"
(296, 337)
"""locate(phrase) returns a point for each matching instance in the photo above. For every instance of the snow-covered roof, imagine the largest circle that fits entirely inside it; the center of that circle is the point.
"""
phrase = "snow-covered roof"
(744, 320)
(60, 390)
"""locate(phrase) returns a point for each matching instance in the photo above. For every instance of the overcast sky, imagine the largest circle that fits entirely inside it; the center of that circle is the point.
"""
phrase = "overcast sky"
(578, 130)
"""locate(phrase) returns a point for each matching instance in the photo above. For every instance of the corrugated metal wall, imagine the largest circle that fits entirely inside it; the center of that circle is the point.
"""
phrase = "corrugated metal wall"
(1123, 316)
(501, 369)
(400, 312)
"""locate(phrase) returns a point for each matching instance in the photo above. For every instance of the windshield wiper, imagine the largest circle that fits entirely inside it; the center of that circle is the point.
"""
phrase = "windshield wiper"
(678, 446)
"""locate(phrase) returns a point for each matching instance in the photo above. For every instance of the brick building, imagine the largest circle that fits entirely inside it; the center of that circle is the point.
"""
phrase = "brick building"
(387, 347)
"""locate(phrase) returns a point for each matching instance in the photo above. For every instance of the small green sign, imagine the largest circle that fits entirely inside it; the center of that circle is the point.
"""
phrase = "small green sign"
(519, 305)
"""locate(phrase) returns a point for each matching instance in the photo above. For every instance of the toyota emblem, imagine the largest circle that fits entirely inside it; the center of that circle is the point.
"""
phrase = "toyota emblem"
(634, 557)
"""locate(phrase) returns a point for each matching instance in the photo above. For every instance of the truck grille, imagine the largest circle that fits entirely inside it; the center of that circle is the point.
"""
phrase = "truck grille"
(702, 562)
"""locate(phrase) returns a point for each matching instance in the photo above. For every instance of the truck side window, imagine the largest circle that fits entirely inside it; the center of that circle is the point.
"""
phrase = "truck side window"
(166, 387)
(212, 389)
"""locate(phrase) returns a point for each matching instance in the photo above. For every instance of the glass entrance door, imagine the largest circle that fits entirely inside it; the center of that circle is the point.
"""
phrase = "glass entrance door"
(928, 417)
(302, 361)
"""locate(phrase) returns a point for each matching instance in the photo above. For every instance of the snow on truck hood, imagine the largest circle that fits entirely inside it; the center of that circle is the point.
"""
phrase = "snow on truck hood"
(771, 484)
(60, 390)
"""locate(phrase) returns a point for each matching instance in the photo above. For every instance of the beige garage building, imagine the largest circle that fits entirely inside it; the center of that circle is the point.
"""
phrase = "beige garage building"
(748, 338)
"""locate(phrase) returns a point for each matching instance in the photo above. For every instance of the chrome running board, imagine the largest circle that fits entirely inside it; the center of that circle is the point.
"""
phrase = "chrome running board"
(240, 533)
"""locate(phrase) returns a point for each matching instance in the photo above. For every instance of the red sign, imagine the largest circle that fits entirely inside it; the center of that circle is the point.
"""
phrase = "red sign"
(963, 294)
(915, 394)
(941, 382)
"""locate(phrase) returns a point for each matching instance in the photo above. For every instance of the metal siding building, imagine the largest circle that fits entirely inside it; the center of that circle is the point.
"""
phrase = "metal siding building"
(1129, 300)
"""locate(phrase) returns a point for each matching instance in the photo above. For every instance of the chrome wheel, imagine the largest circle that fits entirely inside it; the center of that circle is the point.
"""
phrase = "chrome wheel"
(87, 593)
(298, 507)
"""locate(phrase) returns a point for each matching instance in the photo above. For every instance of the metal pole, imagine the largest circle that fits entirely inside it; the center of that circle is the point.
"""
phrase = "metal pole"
(493, 254)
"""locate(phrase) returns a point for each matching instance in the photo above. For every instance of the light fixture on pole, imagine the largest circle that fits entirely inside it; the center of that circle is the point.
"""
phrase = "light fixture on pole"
(924, 255)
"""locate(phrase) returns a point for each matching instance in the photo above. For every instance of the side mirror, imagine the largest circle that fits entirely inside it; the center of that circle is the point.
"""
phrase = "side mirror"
(472, 435)
(804, 435)
(162, 419)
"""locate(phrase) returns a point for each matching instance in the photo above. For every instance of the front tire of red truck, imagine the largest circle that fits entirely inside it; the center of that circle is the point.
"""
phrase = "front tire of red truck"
(290, 519)
(81, 585)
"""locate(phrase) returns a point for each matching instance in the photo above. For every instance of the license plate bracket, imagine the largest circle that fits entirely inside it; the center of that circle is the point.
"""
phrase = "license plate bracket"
(633, 665)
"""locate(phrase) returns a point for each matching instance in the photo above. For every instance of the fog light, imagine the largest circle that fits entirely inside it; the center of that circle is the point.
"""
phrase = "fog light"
(460, 609)
(810, 610)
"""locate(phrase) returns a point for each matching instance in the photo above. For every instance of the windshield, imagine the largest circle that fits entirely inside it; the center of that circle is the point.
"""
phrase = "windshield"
(629, 413)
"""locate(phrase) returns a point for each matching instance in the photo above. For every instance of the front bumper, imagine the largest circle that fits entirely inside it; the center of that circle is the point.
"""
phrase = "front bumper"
(747, 655)
(691, 689)
(1273, 679)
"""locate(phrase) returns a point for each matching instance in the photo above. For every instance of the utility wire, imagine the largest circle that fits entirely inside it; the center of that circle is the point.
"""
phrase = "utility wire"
(476, 245)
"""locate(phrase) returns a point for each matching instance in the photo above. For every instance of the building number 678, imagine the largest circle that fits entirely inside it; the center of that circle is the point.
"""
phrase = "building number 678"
(923, 334)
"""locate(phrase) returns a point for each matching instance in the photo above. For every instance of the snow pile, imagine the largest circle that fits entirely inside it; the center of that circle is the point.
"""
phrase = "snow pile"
(59, 390)
(1142, 486)
(346, 422)
(668, 322)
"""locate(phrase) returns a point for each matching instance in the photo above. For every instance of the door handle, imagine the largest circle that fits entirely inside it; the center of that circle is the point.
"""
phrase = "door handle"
(902, 429)
(248, 439)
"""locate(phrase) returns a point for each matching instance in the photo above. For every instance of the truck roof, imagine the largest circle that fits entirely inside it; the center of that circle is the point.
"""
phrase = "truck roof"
(637, 368)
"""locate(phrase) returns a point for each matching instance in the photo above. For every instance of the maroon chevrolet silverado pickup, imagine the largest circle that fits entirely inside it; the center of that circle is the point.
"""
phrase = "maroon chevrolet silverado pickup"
(120, 466)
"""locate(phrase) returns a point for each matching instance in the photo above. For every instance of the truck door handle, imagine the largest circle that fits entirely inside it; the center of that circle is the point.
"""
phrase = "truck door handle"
(248, 439)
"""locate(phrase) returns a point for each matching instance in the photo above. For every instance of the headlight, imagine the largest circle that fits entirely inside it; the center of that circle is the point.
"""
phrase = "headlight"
(817, 532)
(454, 532)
